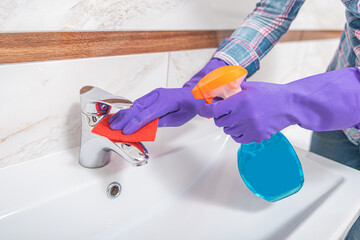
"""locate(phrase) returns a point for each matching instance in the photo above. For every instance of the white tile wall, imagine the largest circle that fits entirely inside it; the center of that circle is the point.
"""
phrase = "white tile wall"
(40, 109)
(289, 61)
(184, 64)
(320, 14)
(40, 101)
(40, 15)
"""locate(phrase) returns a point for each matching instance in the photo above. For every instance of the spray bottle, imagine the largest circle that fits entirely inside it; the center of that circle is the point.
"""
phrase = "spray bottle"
(270, 169)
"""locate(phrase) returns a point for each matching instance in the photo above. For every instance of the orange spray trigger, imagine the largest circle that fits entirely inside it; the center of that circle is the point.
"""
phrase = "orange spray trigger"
(222, 82)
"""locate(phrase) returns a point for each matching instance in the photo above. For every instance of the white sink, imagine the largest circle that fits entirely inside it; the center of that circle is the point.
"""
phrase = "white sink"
(191, 189)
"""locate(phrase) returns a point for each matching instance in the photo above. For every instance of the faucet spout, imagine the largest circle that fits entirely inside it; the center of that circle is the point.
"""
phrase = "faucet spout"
(95, 150)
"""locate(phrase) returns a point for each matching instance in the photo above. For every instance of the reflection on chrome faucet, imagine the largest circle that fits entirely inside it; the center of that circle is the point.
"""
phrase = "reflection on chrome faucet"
(95, 150)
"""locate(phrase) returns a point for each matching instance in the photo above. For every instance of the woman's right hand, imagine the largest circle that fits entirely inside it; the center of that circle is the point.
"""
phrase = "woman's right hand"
(174, 106)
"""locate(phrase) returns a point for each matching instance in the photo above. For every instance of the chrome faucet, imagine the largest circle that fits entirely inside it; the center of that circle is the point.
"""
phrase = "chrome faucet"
(95, 150)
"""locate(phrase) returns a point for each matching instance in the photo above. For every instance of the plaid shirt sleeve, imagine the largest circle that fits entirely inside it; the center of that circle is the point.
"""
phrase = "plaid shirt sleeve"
(258, 34)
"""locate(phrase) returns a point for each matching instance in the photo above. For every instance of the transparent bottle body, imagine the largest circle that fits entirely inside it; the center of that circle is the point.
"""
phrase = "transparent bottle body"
(271, 169)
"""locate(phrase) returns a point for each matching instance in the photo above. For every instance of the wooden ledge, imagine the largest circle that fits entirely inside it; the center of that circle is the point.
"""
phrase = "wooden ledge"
(44, 46)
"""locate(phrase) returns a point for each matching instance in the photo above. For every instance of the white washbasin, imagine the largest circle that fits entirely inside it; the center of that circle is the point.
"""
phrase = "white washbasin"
(191, 189)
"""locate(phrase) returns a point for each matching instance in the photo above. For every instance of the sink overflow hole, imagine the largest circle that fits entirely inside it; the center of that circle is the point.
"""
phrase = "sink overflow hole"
(113, 190)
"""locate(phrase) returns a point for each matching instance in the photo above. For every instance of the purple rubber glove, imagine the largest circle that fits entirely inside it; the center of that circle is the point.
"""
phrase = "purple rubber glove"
(174, 106)
(323, 102)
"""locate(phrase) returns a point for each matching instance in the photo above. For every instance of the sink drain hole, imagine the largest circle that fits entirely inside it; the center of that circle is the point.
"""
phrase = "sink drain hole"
(113, 190)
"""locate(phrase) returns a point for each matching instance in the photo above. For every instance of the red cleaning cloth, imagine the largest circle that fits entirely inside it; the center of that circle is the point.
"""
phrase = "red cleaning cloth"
(146, 133)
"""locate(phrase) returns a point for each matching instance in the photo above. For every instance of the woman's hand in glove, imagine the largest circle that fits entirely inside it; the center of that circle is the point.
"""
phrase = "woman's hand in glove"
(323, 102)
(174, 106)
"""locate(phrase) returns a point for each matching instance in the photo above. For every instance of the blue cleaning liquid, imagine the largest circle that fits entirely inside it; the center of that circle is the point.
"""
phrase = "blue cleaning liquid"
(271, 169)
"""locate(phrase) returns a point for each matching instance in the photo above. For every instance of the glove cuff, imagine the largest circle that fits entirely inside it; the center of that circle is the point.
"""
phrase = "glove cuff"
(327, 101)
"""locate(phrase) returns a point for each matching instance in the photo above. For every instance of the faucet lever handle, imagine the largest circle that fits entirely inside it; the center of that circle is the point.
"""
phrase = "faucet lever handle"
(97, 102)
